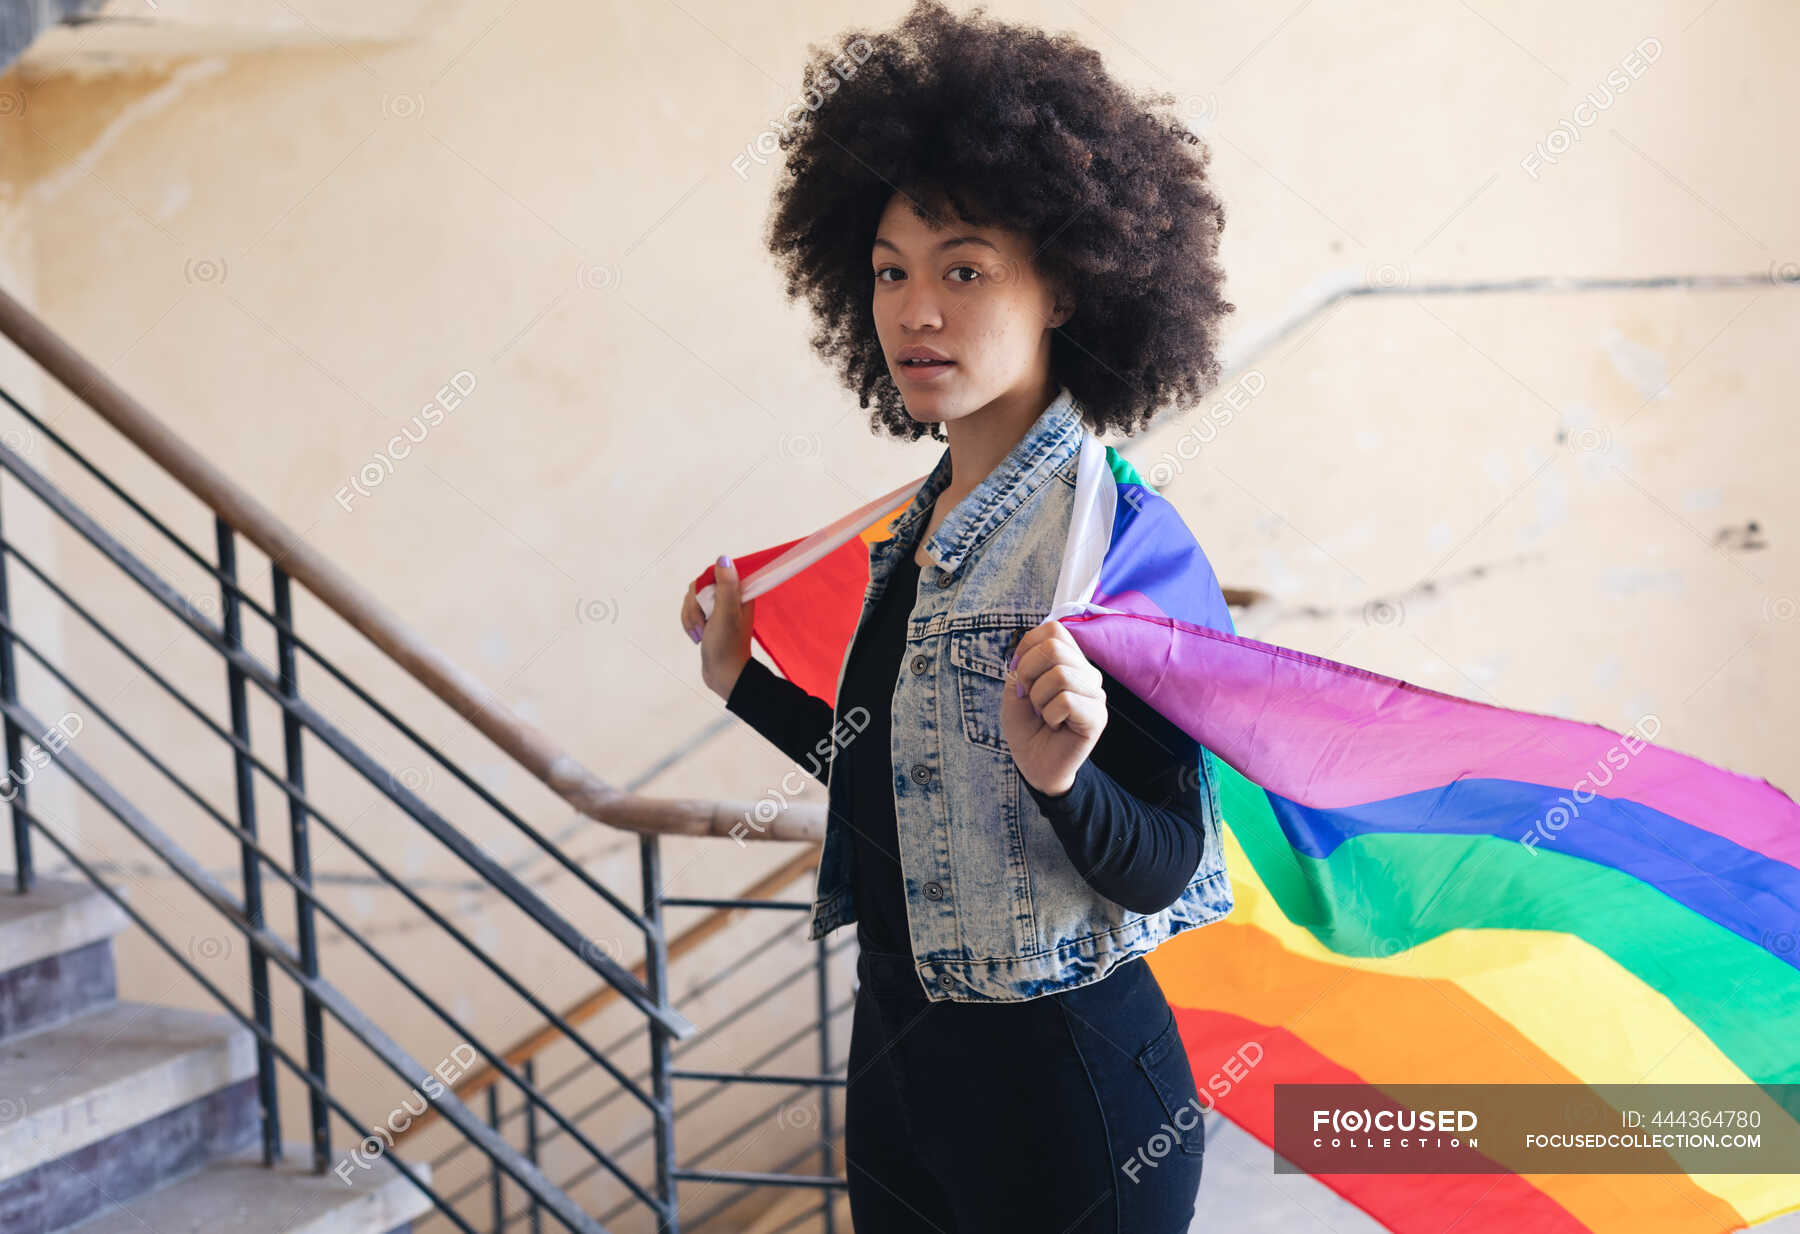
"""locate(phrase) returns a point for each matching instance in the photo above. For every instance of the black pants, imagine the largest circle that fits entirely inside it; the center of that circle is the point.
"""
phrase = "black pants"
(1070, 1113)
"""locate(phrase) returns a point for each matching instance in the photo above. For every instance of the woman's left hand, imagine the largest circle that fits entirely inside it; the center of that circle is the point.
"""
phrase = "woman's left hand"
(1051, 725)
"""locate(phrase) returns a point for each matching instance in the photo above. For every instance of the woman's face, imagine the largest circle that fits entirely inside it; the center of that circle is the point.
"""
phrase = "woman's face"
(973, 296)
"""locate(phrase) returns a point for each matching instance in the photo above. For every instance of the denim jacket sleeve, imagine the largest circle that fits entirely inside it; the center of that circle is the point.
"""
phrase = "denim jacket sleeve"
(1132, 822)
(798, 723)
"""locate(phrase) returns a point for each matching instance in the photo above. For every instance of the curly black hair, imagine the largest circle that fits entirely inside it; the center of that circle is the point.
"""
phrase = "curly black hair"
(1017, 128)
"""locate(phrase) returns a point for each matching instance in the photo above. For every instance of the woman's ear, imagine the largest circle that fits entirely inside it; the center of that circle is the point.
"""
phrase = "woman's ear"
(1063, 309)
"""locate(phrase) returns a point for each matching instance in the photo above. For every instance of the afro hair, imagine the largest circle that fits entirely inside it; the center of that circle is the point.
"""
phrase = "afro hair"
(1015, 128)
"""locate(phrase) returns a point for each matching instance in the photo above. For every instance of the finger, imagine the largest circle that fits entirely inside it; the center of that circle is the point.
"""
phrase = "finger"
(1049, 634)
(1058, 636)
(1078, 713)
(1065, 679)
(1046, 655)
(693, 621)
(1023, 646)
(722, 597)
(1032, 638)
(725, 577)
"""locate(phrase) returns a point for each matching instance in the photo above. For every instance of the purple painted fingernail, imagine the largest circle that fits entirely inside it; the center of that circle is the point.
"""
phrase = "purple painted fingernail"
(724, 560)
(694, 633)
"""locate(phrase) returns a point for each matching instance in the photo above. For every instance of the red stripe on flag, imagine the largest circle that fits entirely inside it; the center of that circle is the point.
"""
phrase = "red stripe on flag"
(805, 624)
(1404, 1203)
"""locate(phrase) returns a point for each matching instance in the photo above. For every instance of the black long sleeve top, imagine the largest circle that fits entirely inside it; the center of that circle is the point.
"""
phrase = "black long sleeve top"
(1130, 823)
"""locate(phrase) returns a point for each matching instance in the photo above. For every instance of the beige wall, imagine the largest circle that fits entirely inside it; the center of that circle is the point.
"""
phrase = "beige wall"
(287, 231)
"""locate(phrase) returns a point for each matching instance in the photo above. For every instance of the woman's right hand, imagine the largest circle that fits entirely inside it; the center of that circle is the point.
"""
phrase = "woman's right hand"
(724, 638)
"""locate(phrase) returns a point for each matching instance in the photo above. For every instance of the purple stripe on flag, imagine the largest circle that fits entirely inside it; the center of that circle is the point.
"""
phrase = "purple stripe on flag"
(1154, 555)
(1330, 735)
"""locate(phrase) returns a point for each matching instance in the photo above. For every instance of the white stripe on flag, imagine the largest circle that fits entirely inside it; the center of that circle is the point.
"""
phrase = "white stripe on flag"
(1090, 533)
(819, 544)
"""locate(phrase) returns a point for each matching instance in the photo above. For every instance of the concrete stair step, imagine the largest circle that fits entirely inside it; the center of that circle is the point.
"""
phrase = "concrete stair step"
(239, 1194)
(108, 1070)
(121, 1167)
(55, 916)
(56, 958)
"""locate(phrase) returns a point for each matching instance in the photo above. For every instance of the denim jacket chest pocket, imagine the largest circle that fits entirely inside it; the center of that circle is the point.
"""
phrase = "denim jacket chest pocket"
(978, 660)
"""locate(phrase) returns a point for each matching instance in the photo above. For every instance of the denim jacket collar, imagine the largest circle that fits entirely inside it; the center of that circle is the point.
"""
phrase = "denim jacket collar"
(1053, 438)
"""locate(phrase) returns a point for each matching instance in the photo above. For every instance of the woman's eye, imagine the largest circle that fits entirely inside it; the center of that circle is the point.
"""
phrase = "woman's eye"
(974, 273)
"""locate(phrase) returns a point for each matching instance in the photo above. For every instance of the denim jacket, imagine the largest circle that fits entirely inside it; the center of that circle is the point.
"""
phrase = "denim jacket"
(996, 910)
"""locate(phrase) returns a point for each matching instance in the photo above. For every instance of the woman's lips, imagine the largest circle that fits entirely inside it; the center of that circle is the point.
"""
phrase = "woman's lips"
(927, 372)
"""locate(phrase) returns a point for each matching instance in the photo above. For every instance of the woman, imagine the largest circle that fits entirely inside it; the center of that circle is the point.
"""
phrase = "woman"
(1002, 246)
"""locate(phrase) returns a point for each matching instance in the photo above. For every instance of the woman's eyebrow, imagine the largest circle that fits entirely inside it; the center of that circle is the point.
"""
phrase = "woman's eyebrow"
(952, 242)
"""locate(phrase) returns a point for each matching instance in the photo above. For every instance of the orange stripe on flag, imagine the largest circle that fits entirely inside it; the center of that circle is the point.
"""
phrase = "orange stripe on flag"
(1228, 983)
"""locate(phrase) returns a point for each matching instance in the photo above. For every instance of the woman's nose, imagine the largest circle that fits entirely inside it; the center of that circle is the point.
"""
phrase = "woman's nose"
(919, 309)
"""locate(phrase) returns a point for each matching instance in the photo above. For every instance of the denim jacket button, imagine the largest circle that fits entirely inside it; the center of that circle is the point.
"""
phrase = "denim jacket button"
(946, 980)
(919, 663)
(921, 772)
(944, 580)
(934, 891)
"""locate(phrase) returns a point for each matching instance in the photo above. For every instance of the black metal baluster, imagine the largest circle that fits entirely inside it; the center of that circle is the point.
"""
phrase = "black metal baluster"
(232, 629)
(531, 1139)
(493, 1107)
(23, 876)
(656, 982)
(822, 965)
(301, 844)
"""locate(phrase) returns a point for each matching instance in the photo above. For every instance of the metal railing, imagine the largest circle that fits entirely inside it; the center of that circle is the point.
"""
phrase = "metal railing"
(245, 913)
(799, 1105)
(540, 1141)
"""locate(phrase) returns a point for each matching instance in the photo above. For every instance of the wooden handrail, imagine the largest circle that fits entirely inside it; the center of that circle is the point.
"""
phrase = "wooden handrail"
(591, 1005)
(775, 817)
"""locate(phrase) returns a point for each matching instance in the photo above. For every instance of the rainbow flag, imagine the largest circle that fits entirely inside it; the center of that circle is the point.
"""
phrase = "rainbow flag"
(1428, 889)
